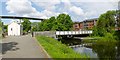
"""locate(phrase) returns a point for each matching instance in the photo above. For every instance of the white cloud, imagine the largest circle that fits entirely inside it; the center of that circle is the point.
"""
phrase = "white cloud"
(49, 13)
(53, 1)
(67, 3)
(65, 12)
(24, 8)
(95, 9)
(77, 10)
(47, 4)
(94, 1)
(19, 7)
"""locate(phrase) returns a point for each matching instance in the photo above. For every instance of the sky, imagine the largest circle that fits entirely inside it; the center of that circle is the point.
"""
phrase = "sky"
(79, 10)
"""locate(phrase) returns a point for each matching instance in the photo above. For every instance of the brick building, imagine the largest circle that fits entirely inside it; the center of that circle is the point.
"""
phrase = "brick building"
(85, 25)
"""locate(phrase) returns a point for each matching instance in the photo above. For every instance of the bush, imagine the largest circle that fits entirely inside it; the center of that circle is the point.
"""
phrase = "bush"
(117, 35)
(109, 38)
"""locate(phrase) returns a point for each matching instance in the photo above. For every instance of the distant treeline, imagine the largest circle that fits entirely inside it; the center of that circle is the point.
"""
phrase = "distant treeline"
(0, 26)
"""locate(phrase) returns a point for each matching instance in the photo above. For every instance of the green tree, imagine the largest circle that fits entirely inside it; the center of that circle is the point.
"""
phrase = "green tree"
(118, 17)
(26, 25)
(0, 23)
(51, 22)
(0, 26)
(5, 27)
(117, 33)
(62, 22)
(34, 26)
(105, 24)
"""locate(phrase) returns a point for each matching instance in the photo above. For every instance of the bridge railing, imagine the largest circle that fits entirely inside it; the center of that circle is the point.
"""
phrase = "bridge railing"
(44, 33)
(54, 33)
(72, 32)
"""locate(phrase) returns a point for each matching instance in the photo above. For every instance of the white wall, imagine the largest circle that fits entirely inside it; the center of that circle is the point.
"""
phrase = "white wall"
(16, 29)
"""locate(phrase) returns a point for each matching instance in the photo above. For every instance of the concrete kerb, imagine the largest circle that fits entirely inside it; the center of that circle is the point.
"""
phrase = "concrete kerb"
(42, 48)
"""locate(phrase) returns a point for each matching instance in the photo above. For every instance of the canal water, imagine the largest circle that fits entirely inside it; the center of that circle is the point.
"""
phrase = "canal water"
(99, 51)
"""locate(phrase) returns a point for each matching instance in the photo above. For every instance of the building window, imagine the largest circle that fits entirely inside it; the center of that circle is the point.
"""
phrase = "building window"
(11, 29)
(76, 26)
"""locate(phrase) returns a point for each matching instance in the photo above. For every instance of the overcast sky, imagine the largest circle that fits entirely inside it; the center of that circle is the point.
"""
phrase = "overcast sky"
(79, 10)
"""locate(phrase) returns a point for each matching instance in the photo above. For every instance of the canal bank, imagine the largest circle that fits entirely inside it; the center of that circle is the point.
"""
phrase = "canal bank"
(58, 50)
(76, 48)
(98, 49)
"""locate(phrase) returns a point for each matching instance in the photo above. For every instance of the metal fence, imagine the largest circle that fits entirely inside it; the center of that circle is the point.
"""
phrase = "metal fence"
(45, 33)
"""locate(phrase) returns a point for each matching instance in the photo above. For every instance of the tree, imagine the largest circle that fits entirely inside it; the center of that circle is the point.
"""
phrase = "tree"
(34, 26)
(117, 33)
(105, 23)
(118, 17)
(26, 25)
(5, 27)
(51, 22)
(0, 26)
(62, 22)
(0, 23)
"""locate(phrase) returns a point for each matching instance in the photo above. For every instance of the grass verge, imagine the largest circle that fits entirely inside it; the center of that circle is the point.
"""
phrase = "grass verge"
(0, 33)
(58, 50)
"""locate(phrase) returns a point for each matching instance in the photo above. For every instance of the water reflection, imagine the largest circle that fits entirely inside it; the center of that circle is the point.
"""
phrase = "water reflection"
(87, 51)
(118, 50)
(101, 50)
(70, 41)
(105, 50)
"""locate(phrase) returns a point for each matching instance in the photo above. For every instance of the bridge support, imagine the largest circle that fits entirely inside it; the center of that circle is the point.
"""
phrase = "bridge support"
(56, 37)
(69, 36)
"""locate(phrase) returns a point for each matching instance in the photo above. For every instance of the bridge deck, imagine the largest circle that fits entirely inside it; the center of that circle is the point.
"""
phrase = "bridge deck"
(72, 32)
(18, 17)
(57, 33)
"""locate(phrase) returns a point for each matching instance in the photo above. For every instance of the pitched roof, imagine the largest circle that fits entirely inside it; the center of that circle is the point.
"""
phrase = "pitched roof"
(14, 22)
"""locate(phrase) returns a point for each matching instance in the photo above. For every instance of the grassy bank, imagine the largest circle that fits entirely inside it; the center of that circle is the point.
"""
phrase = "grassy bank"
(107, 38)
(56, 49)
(0, 32)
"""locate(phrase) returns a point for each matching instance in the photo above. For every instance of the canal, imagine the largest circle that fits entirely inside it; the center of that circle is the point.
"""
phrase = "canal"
(96, 50)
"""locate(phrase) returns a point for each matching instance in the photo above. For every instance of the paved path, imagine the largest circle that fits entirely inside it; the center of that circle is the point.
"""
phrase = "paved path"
(22, 47)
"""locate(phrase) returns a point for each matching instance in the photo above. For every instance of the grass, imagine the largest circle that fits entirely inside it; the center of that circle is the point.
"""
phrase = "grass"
(58, 50)
(0, 33)
(89, 41)
(107, 38)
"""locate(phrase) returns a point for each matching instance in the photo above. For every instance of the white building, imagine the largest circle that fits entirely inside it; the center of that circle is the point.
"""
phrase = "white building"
(15, 29)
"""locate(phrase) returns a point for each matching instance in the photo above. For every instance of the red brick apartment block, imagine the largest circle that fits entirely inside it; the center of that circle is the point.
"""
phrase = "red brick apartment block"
(85, 25)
